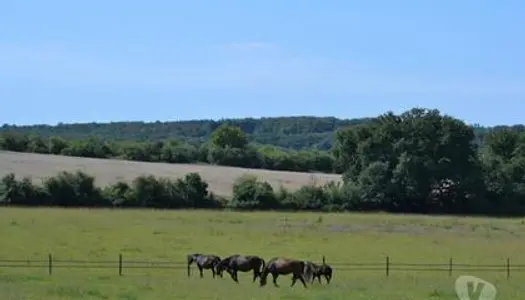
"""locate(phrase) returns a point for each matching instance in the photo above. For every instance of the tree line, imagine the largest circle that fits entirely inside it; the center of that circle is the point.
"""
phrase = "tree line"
(227, 146)
(419, 161)
(424, 162)
(78, 189)
(295, 133)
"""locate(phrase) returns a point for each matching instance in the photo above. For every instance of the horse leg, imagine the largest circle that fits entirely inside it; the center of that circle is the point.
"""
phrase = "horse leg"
(236, 275)
(319, 278)
(213, 272)
(302, 280)
(200, 271)
(232, 274)
(328, 278)
(275, 275)
(255, 274)
(294, 279)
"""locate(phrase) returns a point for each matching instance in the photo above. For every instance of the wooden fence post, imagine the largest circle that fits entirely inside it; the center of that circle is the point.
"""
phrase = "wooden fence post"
(324, 260)
(508, 268)
(450, 267)
(120, 264)
(387, 268)
(49, 264)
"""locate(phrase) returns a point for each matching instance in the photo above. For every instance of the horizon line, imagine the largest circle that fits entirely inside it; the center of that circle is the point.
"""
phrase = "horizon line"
(260, 118)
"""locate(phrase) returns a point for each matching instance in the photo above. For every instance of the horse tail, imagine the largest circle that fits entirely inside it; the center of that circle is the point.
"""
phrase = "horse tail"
(263, 265)
(218, 264)
(307, 270)
(303, 268)
(265, 268)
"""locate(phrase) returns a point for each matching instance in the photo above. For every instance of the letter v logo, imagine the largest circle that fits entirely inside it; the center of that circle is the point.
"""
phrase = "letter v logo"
(474, 288)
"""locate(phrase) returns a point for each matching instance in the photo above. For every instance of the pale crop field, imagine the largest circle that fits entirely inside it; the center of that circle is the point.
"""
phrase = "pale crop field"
(219, 178)
(100, 235)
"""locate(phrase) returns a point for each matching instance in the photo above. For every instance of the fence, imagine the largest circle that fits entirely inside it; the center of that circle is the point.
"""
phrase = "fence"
(387, 266)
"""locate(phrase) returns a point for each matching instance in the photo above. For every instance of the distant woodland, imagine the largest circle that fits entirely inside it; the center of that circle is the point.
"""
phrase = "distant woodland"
(286, 132)
(295, 133)
(418, 161)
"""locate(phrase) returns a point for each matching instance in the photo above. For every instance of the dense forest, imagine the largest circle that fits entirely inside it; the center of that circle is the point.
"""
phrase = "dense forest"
(295, 133)
(286, 132)
(420, 161)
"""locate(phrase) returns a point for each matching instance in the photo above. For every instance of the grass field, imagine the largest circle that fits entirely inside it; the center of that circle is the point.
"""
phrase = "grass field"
(220, 179)
(170, 235)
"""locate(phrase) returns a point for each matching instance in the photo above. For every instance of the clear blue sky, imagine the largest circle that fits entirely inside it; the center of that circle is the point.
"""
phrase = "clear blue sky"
(82, 61)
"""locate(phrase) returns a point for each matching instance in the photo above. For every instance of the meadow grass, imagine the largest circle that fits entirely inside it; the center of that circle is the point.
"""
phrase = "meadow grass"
(84, 234)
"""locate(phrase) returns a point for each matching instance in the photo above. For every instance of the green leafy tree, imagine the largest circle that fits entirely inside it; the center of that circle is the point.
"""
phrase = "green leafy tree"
(73, 189)
(250, 193)
(228, 136)
(401, 160)
(56, 145)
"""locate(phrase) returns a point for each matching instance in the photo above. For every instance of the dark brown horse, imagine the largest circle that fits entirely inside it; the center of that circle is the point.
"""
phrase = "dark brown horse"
(203, 261)
(313, 270)
(283, 266)
(243, 263)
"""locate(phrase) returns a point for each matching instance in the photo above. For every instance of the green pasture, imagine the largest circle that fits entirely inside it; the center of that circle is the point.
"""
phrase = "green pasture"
(141, 235)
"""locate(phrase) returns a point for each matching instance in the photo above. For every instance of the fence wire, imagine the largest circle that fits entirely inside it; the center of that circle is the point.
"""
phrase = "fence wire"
(387, 266)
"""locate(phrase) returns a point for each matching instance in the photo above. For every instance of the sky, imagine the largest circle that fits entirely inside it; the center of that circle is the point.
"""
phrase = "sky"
(97, 61)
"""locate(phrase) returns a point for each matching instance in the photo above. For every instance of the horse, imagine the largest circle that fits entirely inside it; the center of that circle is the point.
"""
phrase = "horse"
(283, 266)
(313, 270)
(243, 263)
(203, 261)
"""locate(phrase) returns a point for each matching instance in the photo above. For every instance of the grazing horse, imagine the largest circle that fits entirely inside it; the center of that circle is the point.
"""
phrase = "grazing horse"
(203, 261)
(313, 270)
(243, 263)
(283, 266)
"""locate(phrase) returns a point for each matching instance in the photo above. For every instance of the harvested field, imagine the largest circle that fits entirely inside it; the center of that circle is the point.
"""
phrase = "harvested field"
(219, 178)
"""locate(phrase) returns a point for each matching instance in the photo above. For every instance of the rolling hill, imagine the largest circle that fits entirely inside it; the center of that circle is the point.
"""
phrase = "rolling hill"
(219, 178)
(300, 132)
(287, 132)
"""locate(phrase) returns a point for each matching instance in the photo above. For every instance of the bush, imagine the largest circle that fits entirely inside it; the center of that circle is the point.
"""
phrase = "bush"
(250, 193)
(78, 189)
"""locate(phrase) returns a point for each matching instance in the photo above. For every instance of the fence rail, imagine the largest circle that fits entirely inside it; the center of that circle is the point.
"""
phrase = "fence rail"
(387, 266)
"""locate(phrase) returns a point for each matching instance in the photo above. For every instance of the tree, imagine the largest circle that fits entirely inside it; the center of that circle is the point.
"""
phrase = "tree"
(73, 189)
(56, 145)
(403, 159)
(503, 161)
(250, 193)
(228, 136)
(194, 191)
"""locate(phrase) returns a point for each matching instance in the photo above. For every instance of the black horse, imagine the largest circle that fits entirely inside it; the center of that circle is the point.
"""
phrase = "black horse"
(203, 261)
(243, 263)
(313, 270)
(283, 266)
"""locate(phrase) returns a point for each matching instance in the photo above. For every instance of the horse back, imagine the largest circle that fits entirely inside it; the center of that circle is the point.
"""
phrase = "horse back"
(209, 260)
(287, 265)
